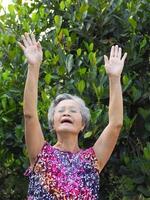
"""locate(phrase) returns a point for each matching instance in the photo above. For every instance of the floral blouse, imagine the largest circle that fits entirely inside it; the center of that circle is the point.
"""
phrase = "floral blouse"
(64, 175)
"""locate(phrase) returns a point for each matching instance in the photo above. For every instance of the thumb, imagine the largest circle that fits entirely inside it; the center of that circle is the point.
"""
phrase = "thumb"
(39, 45)
(22, 47)
(124, 56)
(105, 59)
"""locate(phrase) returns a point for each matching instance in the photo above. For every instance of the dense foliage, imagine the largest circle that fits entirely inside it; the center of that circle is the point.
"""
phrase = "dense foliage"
(75, 34)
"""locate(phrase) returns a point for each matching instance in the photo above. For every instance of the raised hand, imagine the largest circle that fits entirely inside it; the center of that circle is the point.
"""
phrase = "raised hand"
(32, 49)
(114, 65)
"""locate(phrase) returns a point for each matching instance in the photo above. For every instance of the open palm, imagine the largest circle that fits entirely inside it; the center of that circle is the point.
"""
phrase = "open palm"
(32, 49)
(114, 65)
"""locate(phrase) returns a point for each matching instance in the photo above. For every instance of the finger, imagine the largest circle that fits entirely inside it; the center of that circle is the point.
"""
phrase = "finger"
(24, 41)
(112, 51)
(39, 45)
(124, 57)
(116, 51)
(22, 47)
(33, 38)
(27, 36)
(119, 53)
(105, 59)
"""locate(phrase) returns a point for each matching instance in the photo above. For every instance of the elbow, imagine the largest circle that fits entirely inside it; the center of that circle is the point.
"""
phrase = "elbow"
(28, 115)
(119, 126)
(116, 125)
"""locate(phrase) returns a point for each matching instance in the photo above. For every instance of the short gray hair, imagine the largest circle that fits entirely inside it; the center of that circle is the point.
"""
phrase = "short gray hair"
(85, 112)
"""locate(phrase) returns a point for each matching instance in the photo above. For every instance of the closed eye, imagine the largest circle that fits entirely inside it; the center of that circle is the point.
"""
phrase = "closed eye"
(73, 111)
(61, 110)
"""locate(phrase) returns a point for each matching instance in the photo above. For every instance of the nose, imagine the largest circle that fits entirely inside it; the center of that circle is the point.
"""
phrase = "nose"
(66, 113)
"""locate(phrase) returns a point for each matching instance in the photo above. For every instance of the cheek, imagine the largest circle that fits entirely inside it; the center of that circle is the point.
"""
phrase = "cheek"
(80, 120)
(82, 123)
(55, 120)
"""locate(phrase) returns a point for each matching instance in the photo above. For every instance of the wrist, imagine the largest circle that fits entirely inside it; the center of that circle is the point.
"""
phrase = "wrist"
(114, 77)
(34, 66)
(33, 70)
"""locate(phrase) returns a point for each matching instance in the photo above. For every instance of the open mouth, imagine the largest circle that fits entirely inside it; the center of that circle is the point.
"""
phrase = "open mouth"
(66, 121)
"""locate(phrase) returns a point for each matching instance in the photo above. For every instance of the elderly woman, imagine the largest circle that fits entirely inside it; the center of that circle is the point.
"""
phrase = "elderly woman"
(64, 171)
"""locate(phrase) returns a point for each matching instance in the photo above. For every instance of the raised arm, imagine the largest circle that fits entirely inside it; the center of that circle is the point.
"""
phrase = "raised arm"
(107, 140)
(33, 134)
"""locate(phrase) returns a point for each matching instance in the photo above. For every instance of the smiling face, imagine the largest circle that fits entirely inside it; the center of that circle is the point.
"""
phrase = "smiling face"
(67, 117)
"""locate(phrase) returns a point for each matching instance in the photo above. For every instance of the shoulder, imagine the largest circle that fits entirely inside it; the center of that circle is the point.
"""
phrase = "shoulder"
(42, 158)
(44, 154)
(89, 156)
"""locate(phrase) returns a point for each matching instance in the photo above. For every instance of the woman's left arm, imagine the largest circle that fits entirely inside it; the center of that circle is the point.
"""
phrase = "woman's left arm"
(107, 140)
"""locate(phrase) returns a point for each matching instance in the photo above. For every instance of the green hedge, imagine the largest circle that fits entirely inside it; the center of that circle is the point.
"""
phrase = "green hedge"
(75, 34)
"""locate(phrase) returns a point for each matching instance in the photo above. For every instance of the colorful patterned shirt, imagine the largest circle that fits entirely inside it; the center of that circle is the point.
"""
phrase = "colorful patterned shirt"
(64, 175)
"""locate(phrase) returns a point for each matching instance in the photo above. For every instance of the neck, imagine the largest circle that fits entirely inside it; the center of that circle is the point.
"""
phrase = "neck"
(67, 142)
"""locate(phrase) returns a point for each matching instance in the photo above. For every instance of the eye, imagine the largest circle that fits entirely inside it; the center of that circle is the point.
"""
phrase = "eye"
(60, 110)
(73, 111)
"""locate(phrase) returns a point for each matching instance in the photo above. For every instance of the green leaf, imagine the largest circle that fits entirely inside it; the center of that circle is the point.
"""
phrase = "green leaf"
(34, 17)
(80, 86)
(44, 96)
(6, 75)
(143, 43)
(48, 54)
(66, 32)
(136, 93)
(132, 22)
(69, 62)
(99, 90)
(4, 103)
(58, 21)
(62, 5)
(126, 82)
(82, 71)
(126, 160)
(19, 133)
(91, 47)
(95, 115)
(61, 70)
(11, 9)
(42, 11)
(79, 51)
(84, 7)
(129, 122)
(68, 3)
(145, 113)
(48, 78)
(88, 134)
(92, 58)
(147, 152)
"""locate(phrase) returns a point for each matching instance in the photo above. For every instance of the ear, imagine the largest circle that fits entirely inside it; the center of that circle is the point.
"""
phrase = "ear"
(82, 127)
(52, 125)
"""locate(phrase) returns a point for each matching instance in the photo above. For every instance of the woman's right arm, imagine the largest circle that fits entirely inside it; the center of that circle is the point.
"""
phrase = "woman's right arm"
(33, 133)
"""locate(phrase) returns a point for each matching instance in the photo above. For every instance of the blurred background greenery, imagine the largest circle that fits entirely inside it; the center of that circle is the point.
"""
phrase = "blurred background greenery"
(75, 34)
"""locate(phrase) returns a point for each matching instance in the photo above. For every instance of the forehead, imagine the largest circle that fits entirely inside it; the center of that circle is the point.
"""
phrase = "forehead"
(68, 103)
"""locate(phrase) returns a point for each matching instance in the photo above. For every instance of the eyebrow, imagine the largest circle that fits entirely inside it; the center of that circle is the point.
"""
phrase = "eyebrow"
(70, 107)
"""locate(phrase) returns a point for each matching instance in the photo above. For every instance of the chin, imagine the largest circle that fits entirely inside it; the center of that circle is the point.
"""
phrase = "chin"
(66, 130)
